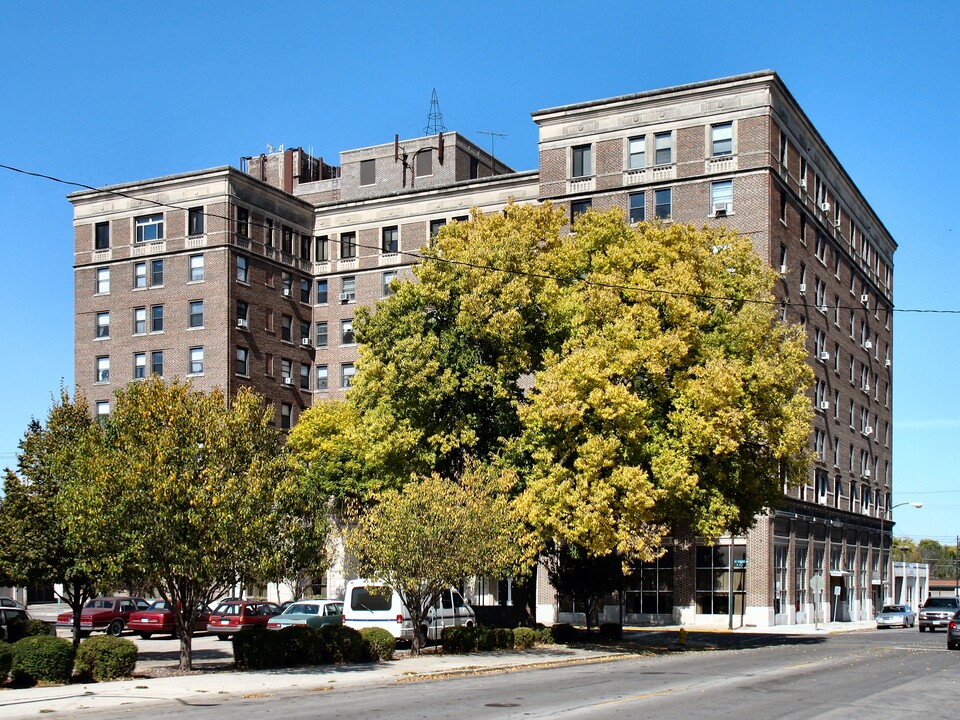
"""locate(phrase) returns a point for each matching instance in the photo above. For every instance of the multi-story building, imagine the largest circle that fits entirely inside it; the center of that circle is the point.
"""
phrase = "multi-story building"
(252, 277)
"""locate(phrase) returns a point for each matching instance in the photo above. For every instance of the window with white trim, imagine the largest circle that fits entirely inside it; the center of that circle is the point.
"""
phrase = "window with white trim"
(637, 152)
(582, 161)
(721, 139)
(149, 228)
(103, 281)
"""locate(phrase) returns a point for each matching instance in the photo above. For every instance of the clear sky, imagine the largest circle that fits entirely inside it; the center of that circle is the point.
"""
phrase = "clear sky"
(108, 92)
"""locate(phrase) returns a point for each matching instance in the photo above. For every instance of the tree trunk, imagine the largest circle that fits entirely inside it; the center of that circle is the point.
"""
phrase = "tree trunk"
(186, 652)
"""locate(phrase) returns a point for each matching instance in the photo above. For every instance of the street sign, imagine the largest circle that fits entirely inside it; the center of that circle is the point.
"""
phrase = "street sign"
(836, 589)
(740, 564)
(816, 583)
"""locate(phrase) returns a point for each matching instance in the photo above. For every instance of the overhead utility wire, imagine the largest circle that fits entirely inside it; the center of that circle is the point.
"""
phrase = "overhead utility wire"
(492, 268)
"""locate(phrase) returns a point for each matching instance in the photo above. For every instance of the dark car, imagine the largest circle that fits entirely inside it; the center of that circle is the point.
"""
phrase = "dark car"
(232, 617)
(953, 632)
(158, 620)
(937, 612)
(109, 614)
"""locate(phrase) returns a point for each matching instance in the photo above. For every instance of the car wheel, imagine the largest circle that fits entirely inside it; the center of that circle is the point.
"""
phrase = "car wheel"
(922, 628)
(145, 636)
(115, 628)
(223, 637)
(951, 645)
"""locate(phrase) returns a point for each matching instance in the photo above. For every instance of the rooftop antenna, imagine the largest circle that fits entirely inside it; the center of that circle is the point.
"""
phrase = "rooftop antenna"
(493, 155)
(434, 117)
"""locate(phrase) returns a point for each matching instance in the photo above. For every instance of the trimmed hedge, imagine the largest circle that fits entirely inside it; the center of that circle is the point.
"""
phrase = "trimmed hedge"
(524, 638)
(545, 635)
(42, 658)
(6, 657)
(380, 642)
(256, 648)
(564, 633)
(611, 631)
(38, 627)
(475, 639)
(343, 645)
(15, 630)
(106, 657)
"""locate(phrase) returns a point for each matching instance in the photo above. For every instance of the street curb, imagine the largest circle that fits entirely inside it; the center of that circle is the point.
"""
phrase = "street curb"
(472, 671)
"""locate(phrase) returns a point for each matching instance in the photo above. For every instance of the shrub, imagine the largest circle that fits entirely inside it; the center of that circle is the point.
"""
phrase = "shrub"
(255, 648)
(16, 630)
(480, 639)
(458, 640)
(41, 658)
(380, 643)
(37, 627)
(300, 645)
(106, 658)
(611, 631)
(343, 644)
(564, 633)
(6, 655)
(524, 638)
(545, 635)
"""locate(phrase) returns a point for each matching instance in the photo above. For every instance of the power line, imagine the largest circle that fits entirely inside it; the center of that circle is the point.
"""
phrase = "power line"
(492, 268)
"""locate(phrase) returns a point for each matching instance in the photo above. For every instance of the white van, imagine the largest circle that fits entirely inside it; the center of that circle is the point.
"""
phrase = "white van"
(371, 603)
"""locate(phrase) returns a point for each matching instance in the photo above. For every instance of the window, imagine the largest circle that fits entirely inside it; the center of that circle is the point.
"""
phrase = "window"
(664, 204)
(196, 361)
(304, 376)
(322, 247)
(149, 228)
(582, 161)
(721, 138)
(637, 152)
(713, 578)
(140, 321)
(348, 289)
(242, 367)
(156, 273)
(156, 362)
(196, 268)
(196, 313)
(156, 318)
(286, 282)
(243, 310)
(638, 207)
(803, 228)
(103, 281)
(783, 207)
(390, 241)
(321, 328)
(286, 369)
(304, 332)
(322, 292)
(195, 221)
(103, 325)
(286, 328)
(139, 275)
(139, 366)
(103, 369)
(322, 380)
(268, 232)
(368, 172)
(346, 332)
(101, 236)
(435, 226)
(721, 197)
(388, 278)
(578, 208)
(304, 247)
(474, 167)
(286, 240)
(423, 163)
(663, 148)
(347, 371)
(286, 416)
(243, 222)
(305, 291)
(243, 269)
(102, 410)
(348, 245)
(650, 588)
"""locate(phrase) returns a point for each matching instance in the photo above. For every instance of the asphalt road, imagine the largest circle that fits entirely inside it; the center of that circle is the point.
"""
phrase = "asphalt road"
(877, 674)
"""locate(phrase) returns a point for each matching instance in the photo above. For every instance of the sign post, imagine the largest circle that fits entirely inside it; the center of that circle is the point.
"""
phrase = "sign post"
(816, 586)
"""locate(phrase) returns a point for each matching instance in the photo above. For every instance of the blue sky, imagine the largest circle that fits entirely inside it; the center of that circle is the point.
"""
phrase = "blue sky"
(108, 92)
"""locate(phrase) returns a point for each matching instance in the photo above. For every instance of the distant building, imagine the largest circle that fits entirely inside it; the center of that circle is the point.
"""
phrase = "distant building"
(252, 277)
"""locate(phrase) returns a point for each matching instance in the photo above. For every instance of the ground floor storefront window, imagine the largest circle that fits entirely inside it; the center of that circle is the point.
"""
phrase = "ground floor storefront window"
(717, 567)
(650, 587)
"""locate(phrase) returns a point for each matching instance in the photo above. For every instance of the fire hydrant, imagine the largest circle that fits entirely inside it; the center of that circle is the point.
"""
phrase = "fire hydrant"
(682, 637)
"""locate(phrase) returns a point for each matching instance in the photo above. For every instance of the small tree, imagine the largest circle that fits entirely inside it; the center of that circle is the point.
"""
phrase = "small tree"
(40, 543)
(195, 494)
(584, 578)
(434, 533)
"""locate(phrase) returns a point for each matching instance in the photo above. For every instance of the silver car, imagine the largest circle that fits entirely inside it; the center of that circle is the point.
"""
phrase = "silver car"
(896, 616)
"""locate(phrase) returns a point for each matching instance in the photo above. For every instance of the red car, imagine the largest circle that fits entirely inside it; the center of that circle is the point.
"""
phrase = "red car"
(109, 614)
(230, 617)
(158, 620)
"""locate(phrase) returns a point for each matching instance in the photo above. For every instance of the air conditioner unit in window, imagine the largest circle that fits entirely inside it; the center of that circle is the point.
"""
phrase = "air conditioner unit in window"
(866, 387)
(344, 297)
(824, 404)
(825, 207)
(823, 308)
(803, 183)
(836, 223)
(864, 298)
(867, 344)
(783, 269)
(241, 322)
(721, 208)
(868, 430)
(887, 362)
(803, 287)
(304, 341)
(865, 473)
(288, 381)
(824, 355)
(286, 292)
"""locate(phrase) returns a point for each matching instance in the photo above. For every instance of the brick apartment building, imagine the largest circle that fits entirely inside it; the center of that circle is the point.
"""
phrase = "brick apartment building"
(252, 276)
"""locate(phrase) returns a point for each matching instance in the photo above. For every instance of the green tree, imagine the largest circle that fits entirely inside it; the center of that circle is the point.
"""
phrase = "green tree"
(196, 495)
(435, 532)
(582, 577)
(40, 544)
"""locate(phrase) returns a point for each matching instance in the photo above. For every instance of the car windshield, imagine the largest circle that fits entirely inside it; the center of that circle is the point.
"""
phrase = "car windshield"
(100, 603)
(302, 609)
(893, 609)
(158, 605)
(941, 603)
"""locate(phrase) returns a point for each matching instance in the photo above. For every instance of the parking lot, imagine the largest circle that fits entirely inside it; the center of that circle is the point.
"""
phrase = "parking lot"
(162, 651)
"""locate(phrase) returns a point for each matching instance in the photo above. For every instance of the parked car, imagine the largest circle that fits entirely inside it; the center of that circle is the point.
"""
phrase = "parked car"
(314, 613)
(953, 632)
(896, 615)
(11, 603)
(109, 614)
(158, 620)
(370, 603)
(937, 612)
(231, 617)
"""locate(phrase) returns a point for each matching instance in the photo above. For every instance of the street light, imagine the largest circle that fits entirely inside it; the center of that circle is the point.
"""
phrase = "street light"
(883, 546)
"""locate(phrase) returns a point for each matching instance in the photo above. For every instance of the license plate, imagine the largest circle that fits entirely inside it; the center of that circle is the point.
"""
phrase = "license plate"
(224, 622)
